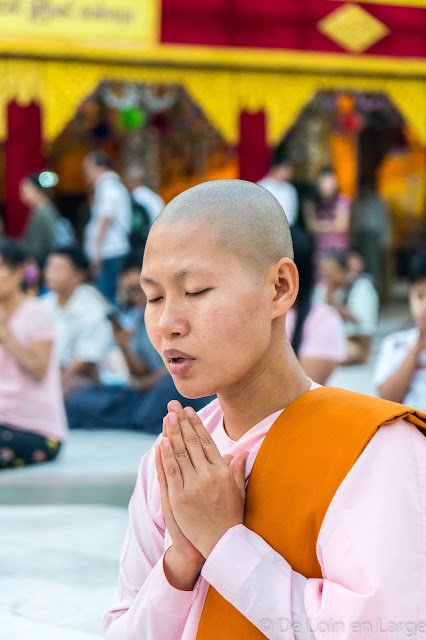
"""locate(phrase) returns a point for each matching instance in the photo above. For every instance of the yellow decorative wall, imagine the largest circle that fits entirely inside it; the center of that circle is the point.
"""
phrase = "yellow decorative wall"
(60, 86)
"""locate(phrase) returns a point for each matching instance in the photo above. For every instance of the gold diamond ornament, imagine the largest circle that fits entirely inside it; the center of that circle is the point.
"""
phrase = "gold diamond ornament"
(353, 28)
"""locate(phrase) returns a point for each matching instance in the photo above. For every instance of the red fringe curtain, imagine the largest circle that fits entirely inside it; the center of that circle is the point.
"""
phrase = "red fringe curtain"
(253, 151)
(23, 154)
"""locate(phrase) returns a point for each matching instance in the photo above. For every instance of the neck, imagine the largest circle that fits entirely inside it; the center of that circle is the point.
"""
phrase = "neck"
(276, 177)
(274, 387)
(11, 303)
(101, 173)
(64, 296)
(40, 200)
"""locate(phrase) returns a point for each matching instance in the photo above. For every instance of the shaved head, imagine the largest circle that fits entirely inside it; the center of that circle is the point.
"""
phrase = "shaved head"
(246, 218)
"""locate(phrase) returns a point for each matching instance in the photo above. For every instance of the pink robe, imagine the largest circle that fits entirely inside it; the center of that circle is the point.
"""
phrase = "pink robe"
(371, 548)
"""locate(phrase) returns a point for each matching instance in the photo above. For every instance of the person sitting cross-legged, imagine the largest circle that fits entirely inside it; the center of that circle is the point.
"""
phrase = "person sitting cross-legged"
(32, 417)
(80, 310)
(316, 329)
(355, 297)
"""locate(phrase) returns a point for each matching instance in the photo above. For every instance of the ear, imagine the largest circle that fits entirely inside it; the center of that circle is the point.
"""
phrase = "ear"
(286, 281)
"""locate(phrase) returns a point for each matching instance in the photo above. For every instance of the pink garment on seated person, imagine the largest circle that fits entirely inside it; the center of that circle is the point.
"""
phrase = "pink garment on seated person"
(25, 403)
(323, 334)
(371, 548)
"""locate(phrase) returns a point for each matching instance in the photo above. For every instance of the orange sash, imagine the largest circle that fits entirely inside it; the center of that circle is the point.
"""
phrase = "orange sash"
(303, 459)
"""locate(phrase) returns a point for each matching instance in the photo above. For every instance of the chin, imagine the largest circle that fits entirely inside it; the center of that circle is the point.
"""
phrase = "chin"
(192, 389)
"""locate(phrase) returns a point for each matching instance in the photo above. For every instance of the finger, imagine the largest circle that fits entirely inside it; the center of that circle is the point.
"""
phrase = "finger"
(160, 472)
(238, 469)
(171, 467)
(209, 447)
(161, 476)
(180, 450)
(164, 493)
(228, 458)
(189, 436)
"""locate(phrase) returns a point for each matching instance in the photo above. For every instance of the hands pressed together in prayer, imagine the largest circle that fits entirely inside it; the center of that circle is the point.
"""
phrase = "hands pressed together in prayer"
(202, 493)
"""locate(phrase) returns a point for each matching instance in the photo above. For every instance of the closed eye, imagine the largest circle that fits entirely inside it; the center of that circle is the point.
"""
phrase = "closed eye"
(190, 294)
(197, 293)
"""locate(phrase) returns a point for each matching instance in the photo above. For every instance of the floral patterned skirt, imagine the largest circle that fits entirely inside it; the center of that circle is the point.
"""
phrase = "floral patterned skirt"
(20, 448)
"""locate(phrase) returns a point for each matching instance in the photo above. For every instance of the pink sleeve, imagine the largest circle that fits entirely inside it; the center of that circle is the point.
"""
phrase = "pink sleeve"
(261, 585)
(371, 549)
(145, 605)
(324, 335)
(372, 545)
(40, 322)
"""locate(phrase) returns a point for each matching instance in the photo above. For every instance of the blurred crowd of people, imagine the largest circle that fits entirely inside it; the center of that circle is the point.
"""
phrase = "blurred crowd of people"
(74, 351)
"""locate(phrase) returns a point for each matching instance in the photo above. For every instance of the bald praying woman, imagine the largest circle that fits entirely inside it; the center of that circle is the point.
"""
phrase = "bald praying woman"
(283, 509)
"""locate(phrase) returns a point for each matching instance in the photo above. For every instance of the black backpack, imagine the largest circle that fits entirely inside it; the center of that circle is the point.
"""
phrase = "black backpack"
(140, 225)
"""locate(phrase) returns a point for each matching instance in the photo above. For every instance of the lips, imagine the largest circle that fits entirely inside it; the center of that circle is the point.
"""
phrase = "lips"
(179, 362)
(174, 355)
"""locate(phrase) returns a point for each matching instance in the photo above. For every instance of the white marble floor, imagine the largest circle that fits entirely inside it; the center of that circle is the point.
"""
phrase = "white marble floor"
(58, 569)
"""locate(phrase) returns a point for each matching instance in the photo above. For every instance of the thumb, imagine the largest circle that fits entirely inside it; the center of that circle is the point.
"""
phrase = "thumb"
(238, 466)
(228, 458)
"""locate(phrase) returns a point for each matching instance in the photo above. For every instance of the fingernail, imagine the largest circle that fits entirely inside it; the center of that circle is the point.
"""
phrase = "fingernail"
(174, 406)
(189, 411)
(173, 419)
(166, 442)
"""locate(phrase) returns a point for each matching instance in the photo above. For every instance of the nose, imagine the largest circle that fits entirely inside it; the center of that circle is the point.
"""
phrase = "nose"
(170, 324)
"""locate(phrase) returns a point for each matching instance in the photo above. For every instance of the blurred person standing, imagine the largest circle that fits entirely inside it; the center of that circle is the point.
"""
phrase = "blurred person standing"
(107, 232)
(327, 216)
(80, 310)
(141, 405)
(370, 229)
(277, 182)
(146, 205)
(32, 417)
(39, 233)
(45, 228)
(315, 330)
(401, 365)
(355, 298)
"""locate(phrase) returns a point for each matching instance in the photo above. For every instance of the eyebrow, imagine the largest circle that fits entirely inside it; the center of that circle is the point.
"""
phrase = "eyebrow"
(177, 277)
